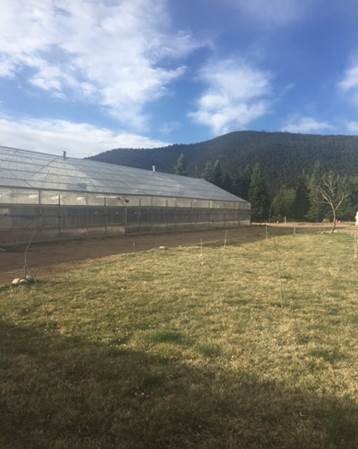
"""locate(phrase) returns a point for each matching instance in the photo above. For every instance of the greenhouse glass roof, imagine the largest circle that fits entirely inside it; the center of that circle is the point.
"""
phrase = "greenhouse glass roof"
(33, 170)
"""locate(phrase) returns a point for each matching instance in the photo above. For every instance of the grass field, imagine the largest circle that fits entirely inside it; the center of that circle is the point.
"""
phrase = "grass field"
(248, 346)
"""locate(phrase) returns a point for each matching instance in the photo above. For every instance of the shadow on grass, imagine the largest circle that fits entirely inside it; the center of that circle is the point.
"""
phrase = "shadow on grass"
(62, 392)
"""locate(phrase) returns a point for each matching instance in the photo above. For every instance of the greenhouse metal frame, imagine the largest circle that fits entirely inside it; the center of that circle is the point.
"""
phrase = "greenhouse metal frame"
(47, 197)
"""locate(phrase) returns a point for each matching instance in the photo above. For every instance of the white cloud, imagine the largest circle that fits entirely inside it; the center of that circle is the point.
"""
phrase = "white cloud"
(349, 83)
(169, 127)
(236, 95)
(308, 125)
(273, 12)
(352, 127)
(79, 139)
(350, 79)
(119, 54)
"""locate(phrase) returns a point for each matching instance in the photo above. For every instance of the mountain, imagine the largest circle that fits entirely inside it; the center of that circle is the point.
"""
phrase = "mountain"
(284, 157)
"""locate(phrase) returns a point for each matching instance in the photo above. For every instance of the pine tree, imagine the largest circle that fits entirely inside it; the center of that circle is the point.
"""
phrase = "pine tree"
(208, 172)
(258, 195)
(227, 182)
(218, 174)
(180, 166)
(301, 204)
(317, 209)
(241, 183)
(213, 173)
(350, 209)
(196, 172)
(283, 203)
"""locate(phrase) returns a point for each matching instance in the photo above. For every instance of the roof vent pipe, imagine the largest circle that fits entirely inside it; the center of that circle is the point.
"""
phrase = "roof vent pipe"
(64, 155)
(153, 168)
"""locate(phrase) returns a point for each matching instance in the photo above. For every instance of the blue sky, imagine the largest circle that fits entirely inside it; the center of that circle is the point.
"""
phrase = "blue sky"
(91, 75)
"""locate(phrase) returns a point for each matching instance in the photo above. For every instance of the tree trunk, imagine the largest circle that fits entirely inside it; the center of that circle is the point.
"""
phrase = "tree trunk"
(334, 224)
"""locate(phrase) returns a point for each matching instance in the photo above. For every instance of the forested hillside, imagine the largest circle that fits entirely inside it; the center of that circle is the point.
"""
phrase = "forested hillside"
(283, 156)
(285, 161)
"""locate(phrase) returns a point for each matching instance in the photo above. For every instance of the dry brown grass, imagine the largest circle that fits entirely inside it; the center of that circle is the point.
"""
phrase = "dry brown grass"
(247, 346)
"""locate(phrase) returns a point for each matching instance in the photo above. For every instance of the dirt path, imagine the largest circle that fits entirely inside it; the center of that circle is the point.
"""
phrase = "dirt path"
(48, 258)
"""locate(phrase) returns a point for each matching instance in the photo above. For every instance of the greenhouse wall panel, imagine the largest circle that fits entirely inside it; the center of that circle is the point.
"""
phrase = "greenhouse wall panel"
(45, 197)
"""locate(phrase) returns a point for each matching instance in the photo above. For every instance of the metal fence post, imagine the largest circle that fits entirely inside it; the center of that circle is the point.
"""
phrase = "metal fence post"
(105, 215)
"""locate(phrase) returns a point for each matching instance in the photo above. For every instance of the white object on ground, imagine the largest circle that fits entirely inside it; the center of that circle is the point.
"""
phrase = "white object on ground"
(22, 281)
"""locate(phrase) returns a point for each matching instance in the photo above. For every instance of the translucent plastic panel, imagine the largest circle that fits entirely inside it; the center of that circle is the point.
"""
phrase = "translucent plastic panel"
(95, 200)
(200, 204)
(19, 196)
(132, 200)
(171, 202)
(33, 170)
(115, 201)
(73, 199)
(158, 201)
(47, 197)
(145, 201)
(5, 195)
(183, 202)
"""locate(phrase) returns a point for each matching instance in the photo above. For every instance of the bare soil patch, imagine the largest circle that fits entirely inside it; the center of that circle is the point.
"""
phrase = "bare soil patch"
(50, 258)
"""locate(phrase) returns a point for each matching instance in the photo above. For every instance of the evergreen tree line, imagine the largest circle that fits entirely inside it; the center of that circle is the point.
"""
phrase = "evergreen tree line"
(303, 199)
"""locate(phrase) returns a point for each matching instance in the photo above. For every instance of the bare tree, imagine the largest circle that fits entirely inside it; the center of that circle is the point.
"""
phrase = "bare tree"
(334, 191)
(37, 223)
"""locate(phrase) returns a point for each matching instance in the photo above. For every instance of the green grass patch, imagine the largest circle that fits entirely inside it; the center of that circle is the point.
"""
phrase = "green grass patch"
(208, 350)
(166, 336)
(331, 356)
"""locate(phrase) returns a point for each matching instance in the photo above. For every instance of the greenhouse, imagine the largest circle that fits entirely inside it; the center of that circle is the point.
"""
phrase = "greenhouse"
(46, 197)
